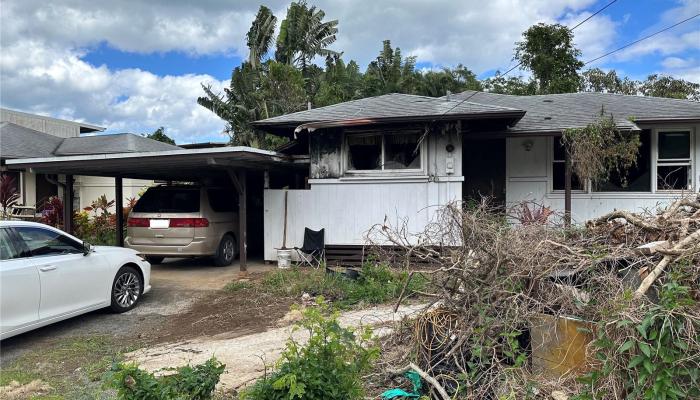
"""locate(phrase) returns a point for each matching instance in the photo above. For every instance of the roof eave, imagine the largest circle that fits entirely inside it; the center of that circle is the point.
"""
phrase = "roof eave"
(667, 120)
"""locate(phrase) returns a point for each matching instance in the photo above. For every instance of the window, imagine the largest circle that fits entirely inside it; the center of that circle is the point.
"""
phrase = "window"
(673, 164)
(44, 242)
(637, 178)
(8, 251)
(168, 200)
(223, 199)
(559, 169)
(397, 151)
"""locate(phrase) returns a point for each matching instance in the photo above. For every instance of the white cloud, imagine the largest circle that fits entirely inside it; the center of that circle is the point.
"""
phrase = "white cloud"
(677, 62)
(40, 79)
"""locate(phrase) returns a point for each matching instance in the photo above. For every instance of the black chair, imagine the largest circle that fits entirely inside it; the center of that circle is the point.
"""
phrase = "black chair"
(313, 251)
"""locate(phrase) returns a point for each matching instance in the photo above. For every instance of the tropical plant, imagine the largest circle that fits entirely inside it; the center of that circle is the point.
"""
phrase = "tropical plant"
(549, 52)
(52, 212)
(390, 73)
(260, 36)
(159, 135)
(304, 35)
(9, 194)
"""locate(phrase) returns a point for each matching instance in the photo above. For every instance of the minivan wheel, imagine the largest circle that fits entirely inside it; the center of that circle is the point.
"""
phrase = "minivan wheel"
(127, 289)
(226, 252)
(154, 259)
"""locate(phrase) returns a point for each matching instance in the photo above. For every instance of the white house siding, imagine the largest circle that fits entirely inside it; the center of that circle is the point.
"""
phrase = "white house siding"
(39, 123)
(347, 207)
(528, 177)
(89, 188)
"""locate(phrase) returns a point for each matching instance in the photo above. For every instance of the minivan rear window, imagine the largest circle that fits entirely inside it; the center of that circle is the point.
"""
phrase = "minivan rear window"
(161, 200)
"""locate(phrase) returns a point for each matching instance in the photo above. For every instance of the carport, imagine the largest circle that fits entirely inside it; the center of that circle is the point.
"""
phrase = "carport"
(198, 165)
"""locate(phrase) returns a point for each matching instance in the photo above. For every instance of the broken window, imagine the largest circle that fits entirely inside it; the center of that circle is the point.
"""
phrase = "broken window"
(636, 178)
(559, 169)
(396, 151)
(673, 161)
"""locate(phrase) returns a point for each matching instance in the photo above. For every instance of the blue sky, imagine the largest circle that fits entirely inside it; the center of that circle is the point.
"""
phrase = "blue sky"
(135, 65)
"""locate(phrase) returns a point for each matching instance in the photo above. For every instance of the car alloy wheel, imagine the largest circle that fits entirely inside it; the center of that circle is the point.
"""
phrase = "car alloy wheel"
(229, 250)
(126, 289)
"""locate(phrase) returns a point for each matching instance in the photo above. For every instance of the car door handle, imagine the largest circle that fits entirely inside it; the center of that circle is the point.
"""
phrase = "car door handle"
(47, 268)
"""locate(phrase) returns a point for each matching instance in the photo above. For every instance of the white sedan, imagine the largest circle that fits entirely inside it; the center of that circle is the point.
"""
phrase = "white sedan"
(47, 275)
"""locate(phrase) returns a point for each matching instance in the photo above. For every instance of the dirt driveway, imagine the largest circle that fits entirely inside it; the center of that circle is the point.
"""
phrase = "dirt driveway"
(178, 286)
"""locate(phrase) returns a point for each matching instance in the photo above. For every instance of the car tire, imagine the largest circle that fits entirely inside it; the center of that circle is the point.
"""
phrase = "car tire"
(226, 252)
(154, 259)
(127, 289)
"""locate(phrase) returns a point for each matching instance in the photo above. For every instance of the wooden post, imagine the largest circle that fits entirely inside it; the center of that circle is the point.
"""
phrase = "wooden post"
(239, 182)
(68, 197)
(242, 223)
(567, 189)
(119, 205)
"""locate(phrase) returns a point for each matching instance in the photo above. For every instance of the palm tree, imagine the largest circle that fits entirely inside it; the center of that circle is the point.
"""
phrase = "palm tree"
(260, 35)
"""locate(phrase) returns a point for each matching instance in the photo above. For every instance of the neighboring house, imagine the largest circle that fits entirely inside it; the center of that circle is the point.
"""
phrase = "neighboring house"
(25, 135)
(398, 158)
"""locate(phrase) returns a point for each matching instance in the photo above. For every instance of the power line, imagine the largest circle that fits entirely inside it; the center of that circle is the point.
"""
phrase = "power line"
(572, 29)
(639, 40)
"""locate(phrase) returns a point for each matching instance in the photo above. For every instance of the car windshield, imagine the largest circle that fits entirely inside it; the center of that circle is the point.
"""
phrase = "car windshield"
(162, 200)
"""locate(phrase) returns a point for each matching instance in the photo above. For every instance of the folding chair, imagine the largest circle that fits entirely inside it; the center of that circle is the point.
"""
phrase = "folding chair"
(313, 251)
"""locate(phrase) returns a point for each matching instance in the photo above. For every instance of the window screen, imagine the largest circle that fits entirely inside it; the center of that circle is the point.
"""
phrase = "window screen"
(169, 200)
(673, 162)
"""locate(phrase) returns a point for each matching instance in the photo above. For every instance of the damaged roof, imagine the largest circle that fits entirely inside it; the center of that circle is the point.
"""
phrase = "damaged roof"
(20, 142)
(394, 107)
(556, 112)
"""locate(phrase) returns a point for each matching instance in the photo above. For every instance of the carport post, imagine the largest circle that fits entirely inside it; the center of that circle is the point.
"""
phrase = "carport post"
(68, 205)
(239, 182)
(119, 205)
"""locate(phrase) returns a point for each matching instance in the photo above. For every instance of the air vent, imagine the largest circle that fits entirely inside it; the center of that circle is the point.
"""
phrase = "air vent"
(548, 101)
(547, 118)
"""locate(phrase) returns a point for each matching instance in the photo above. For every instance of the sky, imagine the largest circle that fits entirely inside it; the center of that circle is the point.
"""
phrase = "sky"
(133, 66)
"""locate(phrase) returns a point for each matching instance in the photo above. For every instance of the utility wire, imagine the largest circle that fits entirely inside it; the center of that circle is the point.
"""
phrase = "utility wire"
(572, 29)
(639, 40)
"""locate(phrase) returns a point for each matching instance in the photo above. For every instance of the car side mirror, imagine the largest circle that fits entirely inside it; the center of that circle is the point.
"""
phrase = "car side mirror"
(87, 248)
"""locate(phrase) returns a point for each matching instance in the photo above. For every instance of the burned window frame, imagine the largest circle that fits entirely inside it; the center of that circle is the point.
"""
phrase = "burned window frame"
(349, 170)
(674, 162)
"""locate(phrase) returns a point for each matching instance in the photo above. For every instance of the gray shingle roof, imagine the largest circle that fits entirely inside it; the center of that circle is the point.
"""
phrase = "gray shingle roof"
(556, 112)
(386, 107)
(108, 144)
(20, 142)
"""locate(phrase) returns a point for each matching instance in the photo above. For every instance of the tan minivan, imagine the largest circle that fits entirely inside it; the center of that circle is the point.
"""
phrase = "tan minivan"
(185, 221)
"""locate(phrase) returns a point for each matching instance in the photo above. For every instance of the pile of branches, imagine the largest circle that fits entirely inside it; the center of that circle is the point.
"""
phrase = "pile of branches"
(490, 279)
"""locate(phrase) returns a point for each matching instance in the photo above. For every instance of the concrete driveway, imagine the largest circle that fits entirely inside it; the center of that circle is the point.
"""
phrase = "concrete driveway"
(176, 285)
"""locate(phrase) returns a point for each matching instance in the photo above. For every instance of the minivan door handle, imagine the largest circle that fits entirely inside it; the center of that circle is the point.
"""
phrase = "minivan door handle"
(46, 268)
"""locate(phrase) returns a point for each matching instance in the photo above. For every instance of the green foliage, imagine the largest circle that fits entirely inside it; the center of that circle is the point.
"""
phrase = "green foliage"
(304, 35)
(186, 383)
(549, 52)
(656, 357)
(601, 148)
(667, 86)
(376, 284)
(513, 85)
(159, 135)
(596, 80)
(260, 36)
(329, 366)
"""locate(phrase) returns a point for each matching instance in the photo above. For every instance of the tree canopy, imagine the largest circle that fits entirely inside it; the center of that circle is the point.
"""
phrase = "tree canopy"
(304, 71)
(159, 135)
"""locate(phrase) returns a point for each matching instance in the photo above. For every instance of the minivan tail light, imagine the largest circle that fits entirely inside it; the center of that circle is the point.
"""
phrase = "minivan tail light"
(138, 222)
(189, 222)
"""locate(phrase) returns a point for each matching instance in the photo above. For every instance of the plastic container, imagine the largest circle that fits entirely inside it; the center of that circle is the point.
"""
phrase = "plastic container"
(284, 258)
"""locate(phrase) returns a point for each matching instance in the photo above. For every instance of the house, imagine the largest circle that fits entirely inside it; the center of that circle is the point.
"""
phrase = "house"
(397, 158)
(24, 135)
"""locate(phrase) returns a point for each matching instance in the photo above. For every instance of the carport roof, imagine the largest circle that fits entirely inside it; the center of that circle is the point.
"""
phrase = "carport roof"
(179, 165)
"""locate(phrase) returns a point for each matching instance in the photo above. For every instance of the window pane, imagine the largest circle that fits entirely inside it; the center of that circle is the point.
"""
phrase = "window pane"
(365, 152)
(559, 150)
(7, 248)
(401, 152)
(558, 170)
(43, 242)
(674, 145)
(672, 177)
(165, 200)
(636, 178)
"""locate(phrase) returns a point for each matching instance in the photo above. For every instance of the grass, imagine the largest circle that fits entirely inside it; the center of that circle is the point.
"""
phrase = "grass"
(376, 284)
(73, 367)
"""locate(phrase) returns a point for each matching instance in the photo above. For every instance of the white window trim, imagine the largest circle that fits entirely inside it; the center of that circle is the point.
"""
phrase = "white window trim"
(383, 172)
(672, 162)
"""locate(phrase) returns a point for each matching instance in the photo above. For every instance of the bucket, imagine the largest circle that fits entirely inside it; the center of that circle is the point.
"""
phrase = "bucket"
(284, 258)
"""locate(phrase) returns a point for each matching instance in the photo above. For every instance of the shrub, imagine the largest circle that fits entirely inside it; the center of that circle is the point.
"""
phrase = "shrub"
(186, 383)
(329, 366)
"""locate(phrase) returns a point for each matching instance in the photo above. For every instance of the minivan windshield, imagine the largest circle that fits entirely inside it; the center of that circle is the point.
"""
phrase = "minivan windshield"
(168, 200)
